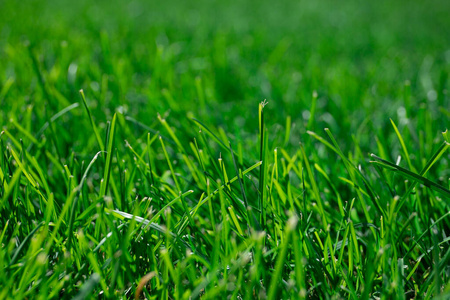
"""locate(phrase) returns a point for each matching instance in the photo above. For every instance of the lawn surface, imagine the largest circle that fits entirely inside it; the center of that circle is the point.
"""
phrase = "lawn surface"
(224, 149)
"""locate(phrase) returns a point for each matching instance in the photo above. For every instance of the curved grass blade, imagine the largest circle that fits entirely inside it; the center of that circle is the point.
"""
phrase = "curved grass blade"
(211, 134)
(429, 164)
(19, 249)
(411, 175)
(53, 119)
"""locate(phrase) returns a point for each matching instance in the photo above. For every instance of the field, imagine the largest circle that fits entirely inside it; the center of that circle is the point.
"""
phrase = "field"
(224, 149)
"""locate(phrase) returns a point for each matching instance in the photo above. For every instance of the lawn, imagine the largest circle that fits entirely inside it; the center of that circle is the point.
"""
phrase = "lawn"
(224, 149)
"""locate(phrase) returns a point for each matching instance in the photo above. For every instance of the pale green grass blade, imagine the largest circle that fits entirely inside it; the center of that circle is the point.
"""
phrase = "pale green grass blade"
(211, 134)
(315, 189)
(402, 143)
(109, 157)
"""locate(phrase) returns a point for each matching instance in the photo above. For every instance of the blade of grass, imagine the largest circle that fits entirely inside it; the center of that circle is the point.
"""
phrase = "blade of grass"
(402, 143)
(263, 157)
(411, 175)
(22, 245)
(91, 120)
(274, 283)
(315, 189)
(438, 154)
(109, 157)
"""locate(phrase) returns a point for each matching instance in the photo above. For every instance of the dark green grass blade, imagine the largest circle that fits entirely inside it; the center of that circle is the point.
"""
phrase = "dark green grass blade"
(76, 194)
(241, 185)
(91, 120)
(53, 119)
(22, 245)
(263, 170)
(439, 152)
(416, 242)
(411, 175)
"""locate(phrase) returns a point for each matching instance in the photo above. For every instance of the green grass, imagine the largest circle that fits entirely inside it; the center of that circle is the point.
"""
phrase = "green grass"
(217, 149)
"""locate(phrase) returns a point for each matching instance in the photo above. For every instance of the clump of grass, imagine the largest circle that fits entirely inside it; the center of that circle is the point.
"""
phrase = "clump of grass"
(211, 226)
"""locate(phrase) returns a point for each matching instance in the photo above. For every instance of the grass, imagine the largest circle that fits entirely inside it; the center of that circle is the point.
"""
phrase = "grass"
(224, 150)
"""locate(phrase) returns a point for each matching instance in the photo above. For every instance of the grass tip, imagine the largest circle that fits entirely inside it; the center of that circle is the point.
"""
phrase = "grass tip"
(264, 103)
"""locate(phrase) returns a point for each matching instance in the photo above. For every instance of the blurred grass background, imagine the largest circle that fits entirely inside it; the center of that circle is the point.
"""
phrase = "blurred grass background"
(218, 59)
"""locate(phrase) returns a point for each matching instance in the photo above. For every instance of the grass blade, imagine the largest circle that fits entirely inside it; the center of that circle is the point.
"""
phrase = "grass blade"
(402, 143)
(94, 127)
(109, 157)
(411, 175)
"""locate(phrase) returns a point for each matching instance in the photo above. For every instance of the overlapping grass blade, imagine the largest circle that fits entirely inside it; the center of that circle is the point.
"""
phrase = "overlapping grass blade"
(411, 175)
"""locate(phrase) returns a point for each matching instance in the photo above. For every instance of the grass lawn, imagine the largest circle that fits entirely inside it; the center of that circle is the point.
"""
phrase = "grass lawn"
(224, 149)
